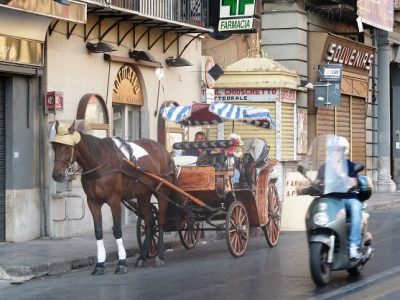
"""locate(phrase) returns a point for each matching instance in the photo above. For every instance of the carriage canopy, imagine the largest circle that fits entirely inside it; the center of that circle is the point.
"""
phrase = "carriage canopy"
(205, 114)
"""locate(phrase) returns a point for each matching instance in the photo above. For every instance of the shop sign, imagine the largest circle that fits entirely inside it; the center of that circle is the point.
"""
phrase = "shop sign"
(252, 95)
(210, 82)
(354, 56)
(288, 96)
(127, 88)
(237, 16)
(379, 14)
(21, 51)
(55, 101)
(73, 12)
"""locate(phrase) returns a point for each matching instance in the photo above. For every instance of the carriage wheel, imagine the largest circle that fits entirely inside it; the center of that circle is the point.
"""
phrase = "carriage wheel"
(237, 229)
(141, 233)
(189, 234)
(273, 227)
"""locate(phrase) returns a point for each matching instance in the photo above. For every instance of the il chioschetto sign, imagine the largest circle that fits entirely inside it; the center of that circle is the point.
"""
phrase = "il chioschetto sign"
(255, 95)
(237, 15)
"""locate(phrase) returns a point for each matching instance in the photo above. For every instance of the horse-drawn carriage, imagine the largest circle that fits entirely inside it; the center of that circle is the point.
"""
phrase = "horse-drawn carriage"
(230, 189)
(191, 198)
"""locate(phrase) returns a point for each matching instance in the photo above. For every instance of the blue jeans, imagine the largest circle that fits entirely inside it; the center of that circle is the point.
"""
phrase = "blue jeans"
(354, 209)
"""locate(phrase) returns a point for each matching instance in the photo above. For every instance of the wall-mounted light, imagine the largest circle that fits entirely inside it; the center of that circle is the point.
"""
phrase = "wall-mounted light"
(100, 47)
(141, 55)
(178, 62)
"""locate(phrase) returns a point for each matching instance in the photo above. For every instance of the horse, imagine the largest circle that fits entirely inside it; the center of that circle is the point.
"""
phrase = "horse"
(107, 177)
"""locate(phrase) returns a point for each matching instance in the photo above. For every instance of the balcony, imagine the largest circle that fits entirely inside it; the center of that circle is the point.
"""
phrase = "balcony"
(193, 12)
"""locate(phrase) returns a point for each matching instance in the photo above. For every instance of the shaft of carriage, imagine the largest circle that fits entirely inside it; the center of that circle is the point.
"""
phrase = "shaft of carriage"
(173, 187)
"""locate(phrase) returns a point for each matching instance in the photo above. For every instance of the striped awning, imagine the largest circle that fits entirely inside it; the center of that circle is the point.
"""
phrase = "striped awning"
(205, 114)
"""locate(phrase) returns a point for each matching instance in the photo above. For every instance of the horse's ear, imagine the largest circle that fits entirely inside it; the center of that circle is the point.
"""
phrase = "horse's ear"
(56, 126)
(71, 129)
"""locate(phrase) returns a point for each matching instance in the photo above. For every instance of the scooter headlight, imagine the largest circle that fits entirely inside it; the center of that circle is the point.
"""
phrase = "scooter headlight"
(321, 218)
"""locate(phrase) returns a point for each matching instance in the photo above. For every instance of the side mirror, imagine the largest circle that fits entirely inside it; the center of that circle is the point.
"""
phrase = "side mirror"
(358, 168)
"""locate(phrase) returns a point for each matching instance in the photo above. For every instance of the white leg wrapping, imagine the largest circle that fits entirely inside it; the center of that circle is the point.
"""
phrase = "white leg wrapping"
(101, 251)
(121, 249)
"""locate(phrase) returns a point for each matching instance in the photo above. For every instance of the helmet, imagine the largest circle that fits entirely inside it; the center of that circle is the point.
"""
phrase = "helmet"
(364, 187)
(338, 141)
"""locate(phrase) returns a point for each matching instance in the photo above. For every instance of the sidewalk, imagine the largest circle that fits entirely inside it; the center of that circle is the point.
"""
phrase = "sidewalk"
(41, 257)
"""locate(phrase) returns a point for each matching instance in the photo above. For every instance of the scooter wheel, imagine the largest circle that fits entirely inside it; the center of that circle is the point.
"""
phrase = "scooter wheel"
(319, 266)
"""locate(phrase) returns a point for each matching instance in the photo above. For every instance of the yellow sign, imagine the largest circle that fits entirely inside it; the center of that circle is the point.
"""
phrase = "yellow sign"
(127, 88)
(21, 51)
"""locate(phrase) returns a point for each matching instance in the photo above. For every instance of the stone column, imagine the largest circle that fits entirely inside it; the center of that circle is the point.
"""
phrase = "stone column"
(385, 182)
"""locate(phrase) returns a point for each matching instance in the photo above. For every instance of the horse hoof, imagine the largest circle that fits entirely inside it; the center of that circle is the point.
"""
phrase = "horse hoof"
(121, 268)
(140, 263)
(99, 269)
(159, 262)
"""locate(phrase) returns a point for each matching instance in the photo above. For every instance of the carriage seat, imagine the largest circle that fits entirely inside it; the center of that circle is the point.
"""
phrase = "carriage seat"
(185, 160)
(257, 148)
(255, 153)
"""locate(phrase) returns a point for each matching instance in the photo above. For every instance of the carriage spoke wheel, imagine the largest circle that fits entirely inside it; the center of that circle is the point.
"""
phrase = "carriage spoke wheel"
(273, 227)
(237, 229)
(141, 234)
(190, 233)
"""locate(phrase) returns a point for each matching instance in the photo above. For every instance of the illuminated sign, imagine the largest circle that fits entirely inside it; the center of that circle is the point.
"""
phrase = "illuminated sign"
(20, 51)
(73, 12)
(237, 16)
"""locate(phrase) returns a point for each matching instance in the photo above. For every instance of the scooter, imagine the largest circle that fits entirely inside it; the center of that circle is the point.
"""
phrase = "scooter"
(328, 227)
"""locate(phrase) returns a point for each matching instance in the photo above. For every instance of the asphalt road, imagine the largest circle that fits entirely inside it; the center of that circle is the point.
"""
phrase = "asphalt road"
(210, 272)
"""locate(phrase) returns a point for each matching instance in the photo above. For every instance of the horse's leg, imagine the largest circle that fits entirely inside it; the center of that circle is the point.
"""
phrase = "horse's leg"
(145, 211)
(95, 209)
(115, 206)
(162, 208)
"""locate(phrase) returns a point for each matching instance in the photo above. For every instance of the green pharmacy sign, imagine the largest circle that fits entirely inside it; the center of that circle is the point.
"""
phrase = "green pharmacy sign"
(237, 15)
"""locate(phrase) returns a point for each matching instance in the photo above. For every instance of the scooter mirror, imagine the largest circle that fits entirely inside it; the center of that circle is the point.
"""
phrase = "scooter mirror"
(358, 168)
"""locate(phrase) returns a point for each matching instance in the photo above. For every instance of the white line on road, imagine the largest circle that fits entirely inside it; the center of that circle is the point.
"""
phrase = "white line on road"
(356, 285)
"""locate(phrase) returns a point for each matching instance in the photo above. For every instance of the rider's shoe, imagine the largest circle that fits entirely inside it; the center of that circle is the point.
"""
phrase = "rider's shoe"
(354, 252)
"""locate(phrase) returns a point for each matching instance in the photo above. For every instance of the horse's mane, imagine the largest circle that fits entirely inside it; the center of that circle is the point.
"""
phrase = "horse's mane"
(94, 143)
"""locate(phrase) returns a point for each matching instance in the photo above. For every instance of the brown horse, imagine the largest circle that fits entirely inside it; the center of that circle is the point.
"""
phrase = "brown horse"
(107, 177)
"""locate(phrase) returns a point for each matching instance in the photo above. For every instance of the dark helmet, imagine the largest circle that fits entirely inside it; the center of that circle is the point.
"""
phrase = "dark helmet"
(364, 187)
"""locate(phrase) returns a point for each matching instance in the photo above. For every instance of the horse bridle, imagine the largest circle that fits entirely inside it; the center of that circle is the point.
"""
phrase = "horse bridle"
(69, 169)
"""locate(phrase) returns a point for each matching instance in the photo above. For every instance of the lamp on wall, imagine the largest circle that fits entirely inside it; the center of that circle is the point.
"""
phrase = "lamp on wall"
(178, 62)
(100, 47)
(141, 55)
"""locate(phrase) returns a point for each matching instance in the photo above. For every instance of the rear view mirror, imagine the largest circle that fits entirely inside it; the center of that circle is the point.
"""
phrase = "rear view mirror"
(358, 168)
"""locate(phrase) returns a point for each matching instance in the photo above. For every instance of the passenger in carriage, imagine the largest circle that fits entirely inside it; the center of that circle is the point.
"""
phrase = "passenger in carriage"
(200, 136)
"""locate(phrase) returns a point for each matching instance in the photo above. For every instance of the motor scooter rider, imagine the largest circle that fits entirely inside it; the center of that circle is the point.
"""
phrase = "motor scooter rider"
(337, 165)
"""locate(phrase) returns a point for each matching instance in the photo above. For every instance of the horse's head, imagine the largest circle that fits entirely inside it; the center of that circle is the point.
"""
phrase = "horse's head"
(63, 145)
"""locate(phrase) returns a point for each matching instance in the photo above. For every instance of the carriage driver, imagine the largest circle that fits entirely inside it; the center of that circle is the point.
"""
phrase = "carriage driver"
(200, 136)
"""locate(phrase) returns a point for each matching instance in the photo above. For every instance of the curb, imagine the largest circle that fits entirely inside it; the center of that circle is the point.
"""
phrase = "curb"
(383, 205)
(19, 274)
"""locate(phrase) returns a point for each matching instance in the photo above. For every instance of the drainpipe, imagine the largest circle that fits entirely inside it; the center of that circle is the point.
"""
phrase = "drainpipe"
(43, 171)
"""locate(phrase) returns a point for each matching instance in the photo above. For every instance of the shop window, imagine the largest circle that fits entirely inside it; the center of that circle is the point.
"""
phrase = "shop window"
(93, 110)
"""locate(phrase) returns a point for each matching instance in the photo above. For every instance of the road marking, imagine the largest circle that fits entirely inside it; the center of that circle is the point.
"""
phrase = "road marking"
(356, 285)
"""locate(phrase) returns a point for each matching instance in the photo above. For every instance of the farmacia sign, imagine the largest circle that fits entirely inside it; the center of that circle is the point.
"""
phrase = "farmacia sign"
(237, 15)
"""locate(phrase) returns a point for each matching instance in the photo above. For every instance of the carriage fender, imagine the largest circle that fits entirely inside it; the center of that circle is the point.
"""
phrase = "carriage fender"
(320, 238)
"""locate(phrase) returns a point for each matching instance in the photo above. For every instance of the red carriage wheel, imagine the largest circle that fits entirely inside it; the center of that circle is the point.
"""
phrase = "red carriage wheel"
(273, 227)
(141, 233)
(237, 230)
(189, 234)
